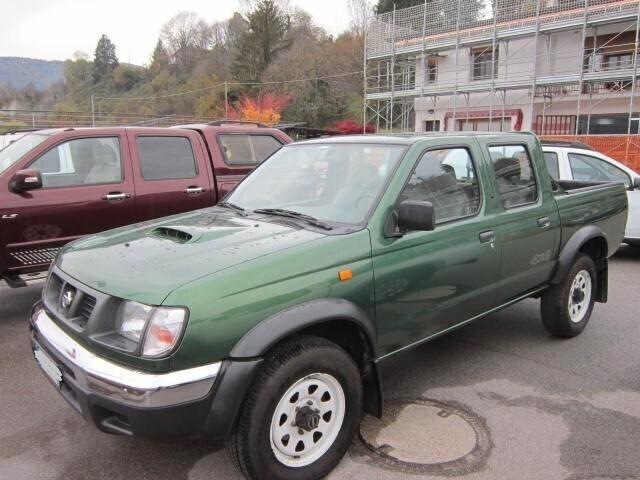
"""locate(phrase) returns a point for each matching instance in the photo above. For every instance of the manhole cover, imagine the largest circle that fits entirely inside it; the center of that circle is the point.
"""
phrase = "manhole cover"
(426, 436)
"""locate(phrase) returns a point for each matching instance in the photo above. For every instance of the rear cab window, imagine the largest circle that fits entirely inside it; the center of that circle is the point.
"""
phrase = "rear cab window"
(247, 149)
(514, 174)
(166, 158)
(553, 166)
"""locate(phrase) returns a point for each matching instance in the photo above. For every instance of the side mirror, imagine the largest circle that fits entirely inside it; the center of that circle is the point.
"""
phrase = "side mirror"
(636, 182)
(416, 215)
(24, 180)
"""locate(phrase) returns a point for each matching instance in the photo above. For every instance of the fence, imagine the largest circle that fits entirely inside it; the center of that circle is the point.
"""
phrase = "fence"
(37, 119)
(623, 148)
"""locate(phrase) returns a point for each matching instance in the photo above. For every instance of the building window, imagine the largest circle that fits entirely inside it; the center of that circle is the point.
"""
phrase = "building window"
(619, 61)
(431, 72)
(432, 125)
(497, 124)
(481, 64)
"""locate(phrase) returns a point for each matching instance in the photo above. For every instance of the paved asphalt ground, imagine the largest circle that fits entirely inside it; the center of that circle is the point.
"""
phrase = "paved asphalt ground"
(554, 409)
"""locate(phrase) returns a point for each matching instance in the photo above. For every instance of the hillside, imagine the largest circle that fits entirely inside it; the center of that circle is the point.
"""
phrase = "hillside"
(18, 72)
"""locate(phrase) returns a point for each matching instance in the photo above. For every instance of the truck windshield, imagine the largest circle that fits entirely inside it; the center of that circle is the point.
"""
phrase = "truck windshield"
(16, 150)
(336, 183)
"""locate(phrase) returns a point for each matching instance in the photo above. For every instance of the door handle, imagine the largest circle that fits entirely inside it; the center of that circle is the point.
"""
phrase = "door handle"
(488, 236)
(544, 222)
(193, 190)
(116, 196)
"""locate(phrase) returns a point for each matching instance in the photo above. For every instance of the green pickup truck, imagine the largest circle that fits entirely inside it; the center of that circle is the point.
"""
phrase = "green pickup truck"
(264, 320)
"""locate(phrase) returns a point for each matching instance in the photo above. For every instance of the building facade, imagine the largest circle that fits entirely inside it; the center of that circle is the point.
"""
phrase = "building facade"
(556, 67)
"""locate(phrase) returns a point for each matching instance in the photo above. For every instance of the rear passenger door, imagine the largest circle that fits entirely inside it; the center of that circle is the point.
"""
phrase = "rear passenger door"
(526, 222)
(171, 172)
(241, 153)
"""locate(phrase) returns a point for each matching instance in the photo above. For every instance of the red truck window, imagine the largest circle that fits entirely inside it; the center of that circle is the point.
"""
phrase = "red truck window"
(82, 161)
(164, 158)
(247, 149)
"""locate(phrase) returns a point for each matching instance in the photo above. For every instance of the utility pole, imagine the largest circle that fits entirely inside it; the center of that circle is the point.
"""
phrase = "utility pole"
(226, 100)
(93, 112)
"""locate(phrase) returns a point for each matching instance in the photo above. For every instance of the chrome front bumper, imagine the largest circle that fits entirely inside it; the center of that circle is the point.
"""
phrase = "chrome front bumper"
(102, 377)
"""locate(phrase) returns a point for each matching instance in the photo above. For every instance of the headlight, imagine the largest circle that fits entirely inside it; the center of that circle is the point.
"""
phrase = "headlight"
(157, 329)
(131, 320)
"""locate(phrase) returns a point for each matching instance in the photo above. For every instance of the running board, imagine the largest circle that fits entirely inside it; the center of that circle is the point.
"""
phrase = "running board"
(19, 281)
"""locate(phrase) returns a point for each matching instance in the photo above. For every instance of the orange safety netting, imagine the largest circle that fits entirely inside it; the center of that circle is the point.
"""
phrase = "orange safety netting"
(623, 148)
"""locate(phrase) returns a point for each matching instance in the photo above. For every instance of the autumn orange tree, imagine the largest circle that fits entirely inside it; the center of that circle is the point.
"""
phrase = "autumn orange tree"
(265, 108)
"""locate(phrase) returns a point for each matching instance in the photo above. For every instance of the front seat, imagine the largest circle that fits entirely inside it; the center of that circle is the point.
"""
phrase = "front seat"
(107, 167)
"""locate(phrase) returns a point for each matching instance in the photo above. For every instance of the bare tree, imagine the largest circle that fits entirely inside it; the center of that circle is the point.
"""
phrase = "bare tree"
(360, 11)
(183, 36)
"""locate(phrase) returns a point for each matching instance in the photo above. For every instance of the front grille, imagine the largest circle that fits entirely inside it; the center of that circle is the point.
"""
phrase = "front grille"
(86, 308)
(79, 311)
(35, 256)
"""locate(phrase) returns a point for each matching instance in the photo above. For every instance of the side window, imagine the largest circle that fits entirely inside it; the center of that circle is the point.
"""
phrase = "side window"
(588, 168)
(264, 146)
(514, 175)
(163, 158)
(551, 159)
(83, 161)
(248, 149)
(446, 178)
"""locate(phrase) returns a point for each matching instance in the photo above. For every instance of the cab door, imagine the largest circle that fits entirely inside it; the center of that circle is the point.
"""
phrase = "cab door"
(526, 222)
(427, 282)
(87, 188)
(171, 172)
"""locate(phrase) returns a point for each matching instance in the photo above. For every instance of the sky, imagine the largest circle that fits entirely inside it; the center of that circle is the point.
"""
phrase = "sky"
(55, 29)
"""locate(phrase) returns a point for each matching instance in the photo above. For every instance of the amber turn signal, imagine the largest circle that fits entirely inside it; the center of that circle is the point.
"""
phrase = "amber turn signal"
(345, 275)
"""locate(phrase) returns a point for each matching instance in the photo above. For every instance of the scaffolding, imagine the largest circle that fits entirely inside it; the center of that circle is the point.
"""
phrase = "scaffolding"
(404, 49)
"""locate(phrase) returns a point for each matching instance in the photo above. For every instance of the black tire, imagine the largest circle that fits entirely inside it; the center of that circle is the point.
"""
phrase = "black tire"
(250, 441)
(555, 309)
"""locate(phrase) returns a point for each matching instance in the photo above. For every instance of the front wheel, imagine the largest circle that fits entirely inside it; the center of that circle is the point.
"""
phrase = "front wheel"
(566, 308)
(301, 413)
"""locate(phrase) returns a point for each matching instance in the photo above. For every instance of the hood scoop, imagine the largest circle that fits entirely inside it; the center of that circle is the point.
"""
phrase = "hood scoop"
(174, 234)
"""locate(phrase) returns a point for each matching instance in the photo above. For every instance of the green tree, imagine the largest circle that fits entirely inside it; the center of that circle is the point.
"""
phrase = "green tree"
(264, 38)
(105, 60)
(159, 60)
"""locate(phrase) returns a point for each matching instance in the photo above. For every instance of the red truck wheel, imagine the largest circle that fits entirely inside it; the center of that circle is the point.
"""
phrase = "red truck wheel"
(566, 308)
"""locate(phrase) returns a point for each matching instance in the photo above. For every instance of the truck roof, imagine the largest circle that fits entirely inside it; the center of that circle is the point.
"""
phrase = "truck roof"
(407, 138)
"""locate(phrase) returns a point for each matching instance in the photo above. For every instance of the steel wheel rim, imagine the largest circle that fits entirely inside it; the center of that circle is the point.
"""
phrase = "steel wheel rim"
(298, 447)
(580, 296)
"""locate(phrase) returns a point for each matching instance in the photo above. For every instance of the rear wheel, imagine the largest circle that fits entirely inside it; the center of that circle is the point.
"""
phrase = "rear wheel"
(301, 413)
(566, 308)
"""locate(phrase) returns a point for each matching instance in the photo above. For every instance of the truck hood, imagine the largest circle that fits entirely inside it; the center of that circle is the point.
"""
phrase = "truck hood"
(147, 261)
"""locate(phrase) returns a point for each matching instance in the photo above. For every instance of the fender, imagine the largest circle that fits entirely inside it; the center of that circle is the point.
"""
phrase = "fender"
(261, 338)
(571, 248)
(257, 341)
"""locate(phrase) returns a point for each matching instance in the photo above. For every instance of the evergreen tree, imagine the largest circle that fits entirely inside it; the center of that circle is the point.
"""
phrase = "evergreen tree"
(387, 5)
(105, 60)
(264, 38)
(159, 59)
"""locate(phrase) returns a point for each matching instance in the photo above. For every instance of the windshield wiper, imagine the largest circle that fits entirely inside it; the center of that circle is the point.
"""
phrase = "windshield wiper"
(233, 206)
(293, 214)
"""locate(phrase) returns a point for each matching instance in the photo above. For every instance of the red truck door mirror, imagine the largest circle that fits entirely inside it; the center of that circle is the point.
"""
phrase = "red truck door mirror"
(24, 180)
(416, 215)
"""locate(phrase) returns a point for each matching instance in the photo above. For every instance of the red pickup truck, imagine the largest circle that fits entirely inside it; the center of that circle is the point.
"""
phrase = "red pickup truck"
(58, 185)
